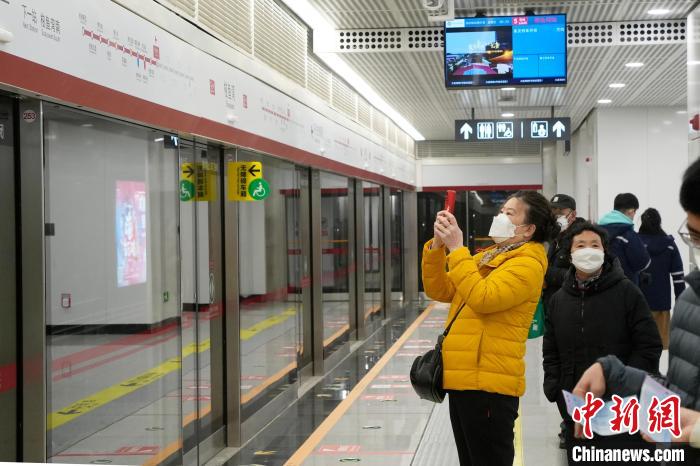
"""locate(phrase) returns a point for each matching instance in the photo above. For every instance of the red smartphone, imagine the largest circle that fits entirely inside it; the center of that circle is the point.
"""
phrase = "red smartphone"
(450, 201)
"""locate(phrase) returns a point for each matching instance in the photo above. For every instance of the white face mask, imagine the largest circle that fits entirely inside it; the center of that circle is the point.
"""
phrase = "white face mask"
(563, 222)
(501, 228)
(588, 260)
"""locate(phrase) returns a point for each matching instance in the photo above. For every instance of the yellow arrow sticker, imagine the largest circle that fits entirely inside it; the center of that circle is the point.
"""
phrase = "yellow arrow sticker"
(198, 181)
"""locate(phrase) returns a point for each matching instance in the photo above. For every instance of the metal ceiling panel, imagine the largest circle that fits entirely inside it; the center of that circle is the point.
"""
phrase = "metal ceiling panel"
(351, 14)
(413, 82)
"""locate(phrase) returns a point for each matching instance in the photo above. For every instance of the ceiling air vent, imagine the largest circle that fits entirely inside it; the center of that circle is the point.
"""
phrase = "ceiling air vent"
(280, 40)
(343, 98)
(318, 79)
(420, 39)
(364, 112)
(188, 7)
(626, 33)
(231, 19)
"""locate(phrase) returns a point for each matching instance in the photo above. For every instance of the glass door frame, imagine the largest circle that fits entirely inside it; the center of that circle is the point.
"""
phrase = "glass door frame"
(205, 446)
(32, 367)
(10, 279)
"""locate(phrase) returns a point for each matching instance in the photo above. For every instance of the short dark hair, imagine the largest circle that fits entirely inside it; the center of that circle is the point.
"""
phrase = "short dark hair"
(538, 213)
(690, 189)
(625, 201)
(588, 226)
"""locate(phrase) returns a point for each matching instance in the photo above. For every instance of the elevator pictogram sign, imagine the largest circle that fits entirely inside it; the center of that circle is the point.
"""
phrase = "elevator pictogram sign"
(245, 182)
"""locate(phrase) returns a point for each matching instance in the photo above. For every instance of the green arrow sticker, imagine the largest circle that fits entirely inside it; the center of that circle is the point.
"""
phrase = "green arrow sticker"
(259, 189)
(186, 190)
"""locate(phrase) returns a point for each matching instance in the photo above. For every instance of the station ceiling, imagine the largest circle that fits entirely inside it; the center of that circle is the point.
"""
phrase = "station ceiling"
(413, 83)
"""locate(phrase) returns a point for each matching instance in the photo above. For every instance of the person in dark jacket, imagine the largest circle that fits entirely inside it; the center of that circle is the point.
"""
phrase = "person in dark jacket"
(665, 261)
(609, 375)
(559, 259)
(624, 241)
(559, 254)
(598, 311)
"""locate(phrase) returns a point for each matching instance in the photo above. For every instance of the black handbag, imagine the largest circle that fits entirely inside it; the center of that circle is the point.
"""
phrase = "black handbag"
(426, 371)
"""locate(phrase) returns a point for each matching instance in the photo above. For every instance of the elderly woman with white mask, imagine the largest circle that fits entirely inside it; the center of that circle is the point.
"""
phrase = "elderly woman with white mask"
(597, 311)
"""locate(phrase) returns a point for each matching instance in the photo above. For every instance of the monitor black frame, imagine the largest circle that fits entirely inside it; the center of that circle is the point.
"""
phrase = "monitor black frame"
(510, 84)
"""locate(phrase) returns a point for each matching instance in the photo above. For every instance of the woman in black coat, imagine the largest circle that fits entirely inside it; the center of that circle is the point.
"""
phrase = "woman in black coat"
(598, 311)
(666, 265)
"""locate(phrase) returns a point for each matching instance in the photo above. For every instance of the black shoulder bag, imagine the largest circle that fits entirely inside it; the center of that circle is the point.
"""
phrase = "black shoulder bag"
(426, 371)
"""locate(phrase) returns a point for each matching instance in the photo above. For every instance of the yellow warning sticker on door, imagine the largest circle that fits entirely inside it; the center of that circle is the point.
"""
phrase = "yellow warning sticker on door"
(240, 176)
(198, 181)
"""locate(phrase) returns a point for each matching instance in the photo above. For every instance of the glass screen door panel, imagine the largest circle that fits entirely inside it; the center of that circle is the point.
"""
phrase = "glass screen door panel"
(112, 289)
(336, 267)
(268, 305)
(202, 307)
(373, 252)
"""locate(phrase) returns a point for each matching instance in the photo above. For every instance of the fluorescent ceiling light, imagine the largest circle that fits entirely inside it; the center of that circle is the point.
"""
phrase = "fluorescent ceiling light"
(325, 31)
(658, 11)
(507, 88)
(681, 112)
(634, 64)
(604, 101)
(616, 85)
(507, 115)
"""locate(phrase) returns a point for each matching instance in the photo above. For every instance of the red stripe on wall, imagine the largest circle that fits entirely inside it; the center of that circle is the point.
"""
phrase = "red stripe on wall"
(515, 187)
(39, 79)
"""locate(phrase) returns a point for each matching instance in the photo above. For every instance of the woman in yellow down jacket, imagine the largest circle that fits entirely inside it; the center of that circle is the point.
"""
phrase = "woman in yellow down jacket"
(496, 293)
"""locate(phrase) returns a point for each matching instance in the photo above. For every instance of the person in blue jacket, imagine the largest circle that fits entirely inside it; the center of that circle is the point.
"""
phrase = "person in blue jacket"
(624, 241)
(665, 260)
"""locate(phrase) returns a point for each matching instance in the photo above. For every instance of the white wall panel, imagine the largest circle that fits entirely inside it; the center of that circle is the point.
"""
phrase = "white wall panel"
(583, 148)
(643, 151)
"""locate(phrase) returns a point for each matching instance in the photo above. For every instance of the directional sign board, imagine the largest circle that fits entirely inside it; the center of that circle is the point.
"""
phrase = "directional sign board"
(525, 129)
(241, 176)
(198, 181)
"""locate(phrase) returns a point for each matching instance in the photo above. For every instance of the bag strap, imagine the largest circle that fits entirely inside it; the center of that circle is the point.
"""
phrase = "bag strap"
(444, 334)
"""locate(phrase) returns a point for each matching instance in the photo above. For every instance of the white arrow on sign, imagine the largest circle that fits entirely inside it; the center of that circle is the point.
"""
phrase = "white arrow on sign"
(466, 131)
(559, 128)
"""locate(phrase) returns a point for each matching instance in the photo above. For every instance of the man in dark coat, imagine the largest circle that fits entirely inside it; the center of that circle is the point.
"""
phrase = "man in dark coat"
(610, 376)
(559, 254)
(624, 241)
(595, 313)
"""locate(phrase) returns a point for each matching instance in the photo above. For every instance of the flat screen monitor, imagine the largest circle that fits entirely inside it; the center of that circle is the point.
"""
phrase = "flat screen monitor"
(504, 51)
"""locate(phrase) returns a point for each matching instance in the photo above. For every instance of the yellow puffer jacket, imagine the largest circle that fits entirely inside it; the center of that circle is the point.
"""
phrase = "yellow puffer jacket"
(485, 348)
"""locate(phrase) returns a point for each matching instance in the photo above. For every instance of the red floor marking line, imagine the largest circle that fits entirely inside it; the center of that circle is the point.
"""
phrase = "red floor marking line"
(105, 361)
(8, 377)
(101, 350)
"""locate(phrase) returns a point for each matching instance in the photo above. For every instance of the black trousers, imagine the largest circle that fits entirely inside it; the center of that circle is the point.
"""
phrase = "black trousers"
(483, 424)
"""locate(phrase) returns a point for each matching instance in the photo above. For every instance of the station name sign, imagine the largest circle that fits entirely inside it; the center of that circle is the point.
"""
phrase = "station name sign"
(519, 129)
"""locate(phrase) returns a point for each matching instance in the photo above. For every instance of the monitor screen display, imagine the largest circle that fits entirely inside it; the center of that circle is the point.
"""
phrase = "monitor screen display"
(505, 51)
